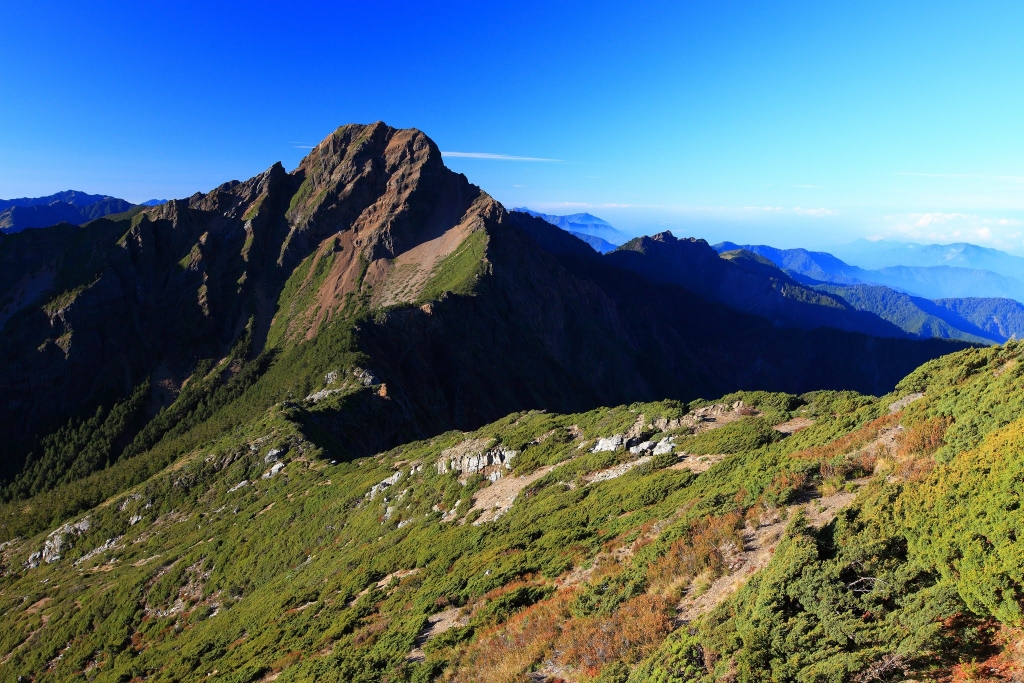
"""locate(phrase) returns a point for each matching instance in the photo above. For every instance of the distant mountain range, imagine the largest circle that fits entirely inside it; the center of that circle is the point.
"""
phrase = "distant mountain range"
(883, 254)
(70, 206)
(890, 293)
(594, 231)
(930, 282)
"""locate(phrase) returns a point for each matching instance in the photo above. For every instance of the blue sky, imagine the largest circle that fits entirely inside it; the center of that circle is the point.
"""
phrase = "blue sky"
(792, 124)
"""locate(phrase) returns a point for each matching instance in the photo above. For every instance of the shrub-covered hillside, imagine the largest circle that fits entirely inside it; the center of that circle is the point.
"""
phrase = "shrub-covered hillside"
(823, 537)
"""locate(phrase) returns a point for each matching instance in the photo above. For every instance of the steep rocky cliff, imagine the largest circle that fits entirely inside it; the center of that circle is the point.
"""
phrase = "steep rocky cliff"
(371, 256)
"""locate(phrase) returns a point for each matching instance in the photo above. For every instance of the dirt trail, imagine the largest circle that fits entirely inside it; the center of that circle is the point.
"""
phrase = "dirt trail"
(610, 473)
(436, 625)
(794, 425)
(759, 545)
(698, 463)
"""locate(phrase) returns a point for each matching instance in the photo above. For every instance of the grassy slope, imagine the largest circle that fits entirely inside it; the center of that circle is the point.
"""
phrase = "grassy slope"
(280, 575)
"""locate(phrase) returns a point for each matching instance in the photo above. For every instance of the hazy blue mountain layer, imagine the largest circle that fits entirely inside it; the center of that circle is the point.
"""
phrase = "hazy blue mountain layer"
(930, 282)
(599, 245)
(64, 207)
(72, 197)
(584, 223)
(883, 254)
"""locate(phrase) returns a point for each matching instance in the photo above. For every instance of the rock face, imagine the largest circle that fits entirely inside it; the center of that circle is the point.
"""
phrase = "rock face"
(475, 457)
(611, 443)
(85, 319)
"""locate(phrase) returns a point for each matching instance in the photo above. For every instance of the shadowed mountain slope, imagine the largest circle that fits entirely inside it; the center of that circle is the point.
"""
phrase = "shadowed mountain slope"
(744, 282)
(391, 299)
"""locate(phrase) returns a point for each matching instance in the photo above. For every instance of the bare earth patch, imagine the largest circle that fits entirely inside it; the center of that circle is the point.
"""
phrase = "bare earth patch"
(899, 405)
(758, 547)
(794, 425)
(698, 463)
(823, 510)
(616, 471)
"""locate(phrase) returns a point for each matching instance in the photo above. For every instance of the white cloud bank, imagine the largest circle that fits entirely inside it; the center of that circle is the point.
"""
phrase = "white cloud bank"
(937, 226)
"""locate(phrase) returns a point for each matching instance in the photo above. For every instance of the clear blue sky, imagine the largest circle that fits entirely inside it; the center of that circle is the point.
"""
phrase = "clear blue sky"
(786, 123)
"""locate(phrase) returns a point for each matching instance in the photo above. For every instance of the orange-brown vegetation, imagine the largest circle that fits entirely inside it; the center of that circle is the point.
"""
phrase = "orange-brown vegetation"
(701, 549)
(504, 653)
(850, 442)
(631, 632)
(922, 439)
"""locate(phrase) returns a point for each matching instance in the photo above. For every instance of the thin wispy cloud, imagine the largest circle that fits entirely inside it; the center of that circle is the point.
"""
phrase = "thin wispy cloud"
(793, 209)
(735, 210)
(300, 145)
(979, 176)
(495, 157)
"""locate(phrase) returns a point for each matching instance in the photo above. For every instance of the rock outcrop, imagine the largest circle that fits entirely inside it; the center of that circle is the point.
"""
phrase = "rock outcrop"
(475, 456)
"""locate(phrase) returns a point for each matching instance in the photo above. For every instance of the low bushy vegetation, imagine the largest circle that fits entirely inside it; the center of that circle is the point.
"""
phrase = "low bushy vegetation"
(266, 553)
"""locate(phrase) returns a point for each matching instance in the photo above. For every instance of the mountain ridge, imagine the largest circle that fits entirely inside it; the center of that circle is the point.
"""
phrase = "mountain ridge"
(370, 257)
(69, 206)
(583, 223)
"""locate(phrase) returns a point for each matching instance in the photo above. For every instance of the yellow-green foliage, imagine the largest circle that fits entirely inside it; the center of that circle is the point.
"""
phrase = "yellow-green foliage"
(299, 293)
(63, 300)
(965, 518)
(254, 210)
(304, 576)
(460, 270)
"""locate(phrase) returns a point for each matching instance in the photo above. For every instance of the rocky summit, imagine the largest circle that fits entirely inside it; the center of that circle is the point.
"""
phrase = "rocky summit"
(353, 422)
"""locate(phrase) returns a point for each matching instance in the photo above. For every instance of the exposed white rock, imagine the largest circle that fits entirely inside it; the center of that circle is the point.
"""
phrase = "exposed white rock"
(617, 471)
(273, 470)
(474, 456)
(611, 443)
(386, 483)
(665, 445)
(331, 377)
(239, 485)
(365, 376)
(322, 394)
(641, 447)
(134, 519)
(128, 501)
(110, 544)
(55, 543)
(273, 455)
